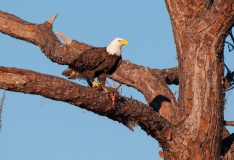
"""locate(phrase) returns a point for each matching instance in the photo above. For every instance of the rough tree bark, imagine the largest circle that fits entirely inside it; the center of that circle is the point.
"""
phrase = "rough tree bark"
(190, 128)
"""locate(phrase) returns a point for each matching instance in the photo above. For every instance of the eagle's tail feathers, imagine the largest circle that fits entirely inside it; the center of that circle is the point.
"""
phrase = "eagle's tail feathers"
(70, 73)
(67, 72)
(73, 75)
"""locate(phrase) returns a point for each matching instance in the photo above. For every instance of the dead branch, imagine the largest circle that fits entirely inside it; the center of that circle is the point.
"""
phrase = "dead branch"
(1, 105)
(51, 20)
(228, 123)
(156, 92)
(128, 110)
(64, 38)
(152, 85)
(42, 36)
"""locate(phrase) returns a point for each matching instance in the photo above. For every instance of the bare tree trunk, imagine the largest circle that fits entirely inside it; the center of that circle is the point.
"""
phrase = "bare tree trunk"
(199, 33)
(190, 128)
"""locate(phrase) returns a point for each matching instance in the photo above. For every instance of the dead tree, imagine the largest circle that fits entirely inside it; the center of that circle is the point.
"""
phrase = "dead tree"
(191, 127)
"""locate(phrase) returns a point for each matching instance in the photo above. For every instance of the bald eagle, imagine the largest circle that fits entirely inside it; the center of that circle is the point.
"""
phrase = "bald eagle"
(96, 62)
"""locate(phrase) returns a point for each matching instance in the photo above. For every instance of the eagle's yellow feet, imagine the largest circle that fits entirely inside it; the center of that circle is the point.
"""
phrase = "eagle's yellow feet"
(95, 84)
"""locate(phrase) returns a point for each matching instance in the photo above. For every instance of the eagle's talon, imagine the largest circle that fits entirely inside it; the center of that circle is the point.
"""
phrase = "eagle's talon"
(95, 84)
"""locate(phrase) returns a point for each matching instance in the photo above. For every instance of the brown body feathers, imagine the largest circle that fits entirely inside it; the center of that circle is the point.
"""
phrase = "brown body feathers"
(92, 63)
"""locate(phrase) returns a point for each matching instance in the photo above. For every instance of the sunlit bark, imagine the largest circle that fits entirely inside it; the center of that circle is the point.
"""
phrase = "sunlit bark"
(190, 128)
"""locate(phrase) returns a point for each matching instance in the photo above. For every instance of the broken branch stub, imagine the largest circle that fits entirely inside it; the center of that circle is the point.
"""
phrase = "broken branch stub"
(63, 37)
(51, 20)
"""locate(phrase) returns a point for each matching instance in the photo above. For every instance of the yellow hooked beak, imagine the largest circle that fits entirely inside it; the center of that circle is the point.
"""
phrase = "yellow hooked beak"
(124, 42)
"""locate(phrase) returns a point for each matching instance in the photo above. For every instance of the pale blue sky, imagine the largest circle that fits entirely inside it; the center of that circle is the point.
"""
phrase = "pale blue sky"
(36, 128)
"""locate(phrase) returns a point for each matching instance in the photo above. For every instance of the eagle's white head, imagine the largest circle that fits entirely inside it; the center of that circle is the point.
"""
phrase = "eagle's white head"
(115, 46)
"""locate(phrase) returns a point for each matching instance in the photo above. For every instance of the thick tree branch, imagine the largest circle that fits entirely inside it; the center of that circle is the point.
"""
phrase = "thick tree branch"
(127, 111)
(42, 36)
(151, 83)
(169, 75)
